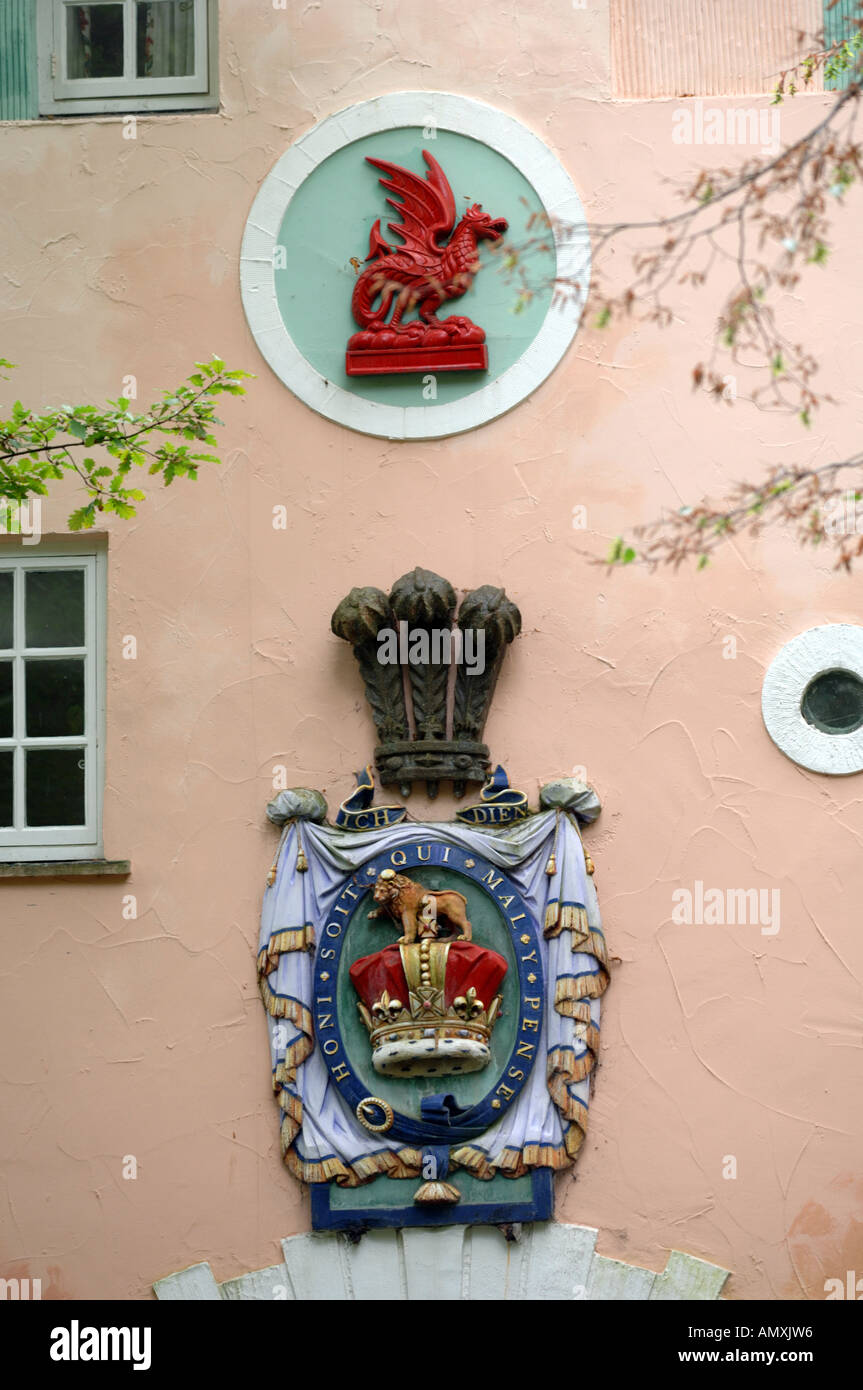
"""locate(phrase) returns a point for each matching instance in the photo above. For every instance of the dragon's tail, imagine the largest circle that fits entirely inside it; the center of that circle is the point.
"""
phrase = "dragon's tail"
(366, 291)
(372, 283)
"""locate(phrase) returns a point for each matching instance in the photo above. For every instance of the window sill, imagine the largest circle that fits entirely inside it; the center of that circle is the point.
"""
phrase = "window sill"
(66, 868)
(113, 112)
(105, 117)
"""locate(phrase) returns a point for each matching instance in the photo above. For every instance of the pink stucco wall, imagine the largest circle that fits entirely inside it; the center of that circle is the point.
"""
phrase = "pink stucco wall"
(146, 1036)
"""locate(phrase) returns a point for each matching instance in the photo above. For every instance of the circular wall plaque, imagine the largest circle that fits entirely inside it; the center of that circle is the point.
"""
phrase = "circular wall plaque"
(308, 235)
(812, 699)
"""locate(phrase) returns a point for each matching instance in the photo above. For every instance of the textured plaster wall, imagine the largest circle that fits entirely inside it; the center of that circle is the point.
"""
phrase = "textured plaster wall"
(146, 1036)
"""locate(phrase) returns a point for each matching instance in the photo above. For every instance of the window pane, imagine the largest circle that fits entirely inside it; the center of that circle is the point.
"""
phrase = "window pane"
(166, 38)
(55, 786)
(833, 702)
(54, 601)
(6, 774)
(7, 589)
(94, 40)
(6, 729)
(55, 697)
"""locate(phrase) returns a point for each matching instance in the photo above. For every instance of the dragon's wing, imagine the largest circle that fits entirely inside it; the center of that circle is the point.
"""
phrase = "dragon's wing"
(427, 206)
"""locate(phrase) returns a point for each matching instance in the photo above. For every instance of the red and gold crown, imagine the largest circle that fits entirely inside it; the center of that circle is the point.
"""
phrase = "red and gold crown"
(429, 1006)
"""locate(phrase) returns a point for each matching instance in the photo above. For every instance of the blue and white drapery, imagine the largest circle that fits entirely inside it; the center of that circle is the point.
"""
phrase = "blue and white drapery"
(321, 1138)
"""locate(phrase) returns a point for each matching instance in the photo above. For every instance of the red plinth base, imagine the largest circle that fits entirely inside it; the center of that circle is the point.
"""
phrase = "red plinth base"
(467, 357)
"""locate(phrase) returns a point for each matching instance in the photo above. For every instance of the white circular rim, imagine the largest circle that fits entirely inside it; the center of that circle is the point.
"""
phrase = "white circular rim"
(502, 133)
(838, 646)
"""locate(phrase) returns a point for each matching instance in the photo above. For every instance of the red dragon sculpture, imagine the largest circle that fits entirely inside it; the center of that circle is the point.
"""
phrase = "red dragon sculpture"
(422, 274)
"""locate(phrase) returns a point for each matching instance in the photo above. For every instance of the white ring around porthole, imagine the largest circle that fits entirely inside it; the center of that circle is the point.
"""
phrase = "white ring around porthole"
(509, 138)
(813, 653)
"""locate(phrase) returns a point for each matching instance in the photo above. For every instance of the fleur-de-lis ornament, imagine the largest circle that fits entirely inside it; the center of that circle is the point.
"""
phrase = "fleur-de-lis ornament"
(467, 1006)
(386, 1009)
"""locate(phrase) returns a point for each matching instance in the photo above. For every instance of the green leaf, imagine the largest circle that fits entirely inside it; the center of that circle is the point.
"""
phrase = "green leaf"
(113, 504)
(82, 519)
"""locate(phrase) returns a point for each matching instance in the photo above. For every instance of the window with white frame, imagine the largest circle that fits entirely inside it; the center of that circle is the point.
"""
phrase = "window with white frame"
(126, 55)
(51, 705)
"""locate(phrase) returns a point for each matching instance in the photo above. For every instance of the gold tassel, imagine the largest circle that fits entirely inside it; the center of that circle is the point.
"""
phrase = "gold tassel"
(589, 864)
(271, 876)
(437, 1194)
(302, 861)
(551, 866)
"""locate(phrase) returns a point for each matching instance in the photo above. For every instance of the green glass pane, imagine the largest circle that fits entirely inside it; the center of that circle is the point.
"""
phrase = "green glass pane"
(6, 727)
(7, 590)
(55, 786)
(54, 608)
(833, 702)
(165, 38)
(6, 787)
(94, 41)
(54, 697)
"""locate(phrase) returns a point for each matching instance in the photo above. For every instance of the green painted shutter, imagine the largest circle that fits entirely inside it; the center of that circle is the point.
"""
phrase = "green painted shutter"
(19, 78)
(838, 25)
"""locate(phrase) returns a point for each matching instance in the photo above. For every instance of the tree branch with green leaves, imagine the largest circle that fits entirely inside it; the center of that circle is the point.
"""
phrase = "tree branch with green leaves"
(102, 448)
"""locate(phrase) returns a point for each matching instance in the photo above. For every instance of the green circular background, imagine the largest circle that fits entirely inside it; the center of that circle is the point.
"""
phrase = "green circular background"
(328, 222)
(363, 938)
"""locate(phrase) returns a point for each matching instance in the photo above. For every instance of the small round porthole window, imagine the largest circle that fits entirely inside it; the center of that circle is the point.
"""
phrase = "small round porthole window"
(812, 699)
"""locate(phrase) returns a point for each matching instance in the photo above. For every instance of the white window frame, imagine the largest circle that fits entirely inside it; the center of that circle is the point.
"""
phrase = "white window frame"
(61, 95)
(67, 842)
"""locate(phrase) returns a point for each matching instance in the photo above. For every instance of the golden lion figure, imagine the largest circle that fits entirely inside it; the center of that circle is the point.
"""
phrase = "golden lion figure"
(419, 909)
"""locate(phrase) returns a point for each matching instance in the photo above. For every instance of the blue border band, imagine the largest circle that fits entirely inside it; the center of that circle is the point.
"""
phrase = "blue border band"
(540, 1207)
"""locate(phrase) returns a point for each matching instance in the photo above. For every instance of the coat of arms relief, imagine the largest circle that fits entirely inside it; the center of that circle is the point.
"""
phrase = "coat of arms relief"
(432, 989)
